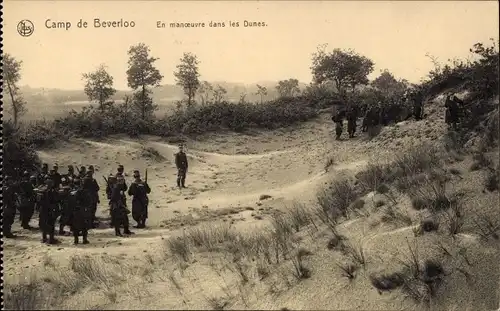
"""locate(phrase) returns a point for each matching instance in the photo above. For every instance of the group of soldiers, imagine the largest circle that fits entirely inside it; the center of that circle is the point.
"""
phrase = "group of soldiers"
(378, 114)
(384, 114)
(74, 197)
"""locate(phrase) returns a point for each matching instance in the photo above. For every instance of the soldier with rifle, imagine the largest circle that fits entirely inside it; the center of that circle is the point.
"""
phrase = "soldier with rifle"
(92, 188)
(139, 190)
(118, 209)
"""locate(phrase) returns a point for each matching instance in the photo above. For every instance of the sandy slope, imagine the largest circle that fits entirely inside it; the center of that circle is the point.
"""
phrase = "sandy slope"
(227, 175)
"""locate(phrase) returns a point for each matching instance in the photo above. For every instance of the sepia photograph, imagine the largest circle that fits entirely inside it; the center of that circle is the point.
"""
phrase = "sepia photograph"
(250, 155)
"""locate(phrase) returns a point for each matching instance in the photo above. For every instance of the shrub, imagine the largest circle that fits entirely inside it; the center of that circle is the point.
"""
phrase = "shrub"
(336, 199)
(18, 153)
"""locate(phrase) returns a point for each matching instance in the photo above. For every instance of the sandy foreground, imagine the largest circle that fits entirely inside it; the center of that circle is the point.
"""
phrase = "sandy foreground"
(237, 184)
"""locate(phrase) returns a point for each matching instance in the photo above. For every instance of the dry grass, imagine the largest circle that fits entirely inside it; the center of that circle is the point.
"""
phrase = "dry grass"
(336, 199)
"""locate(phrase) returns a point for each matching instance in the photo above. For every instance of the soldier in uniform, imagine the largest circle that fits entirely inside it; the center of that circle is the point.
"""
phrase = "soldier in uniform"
(418, 105)
(139, 190)
(81, 212)
(40, 178)
(352, 117)
(28, 198)
(452, 111)
(181, 163)
(338, 119)
(49, 211)
(92, 189)
(66, 205)
(119, 211)
(8, 206)
(56, 176)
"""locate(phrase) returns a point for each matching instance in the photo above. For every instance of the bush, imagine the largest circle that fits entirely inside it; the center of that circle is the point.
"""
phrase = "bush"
(18, 153)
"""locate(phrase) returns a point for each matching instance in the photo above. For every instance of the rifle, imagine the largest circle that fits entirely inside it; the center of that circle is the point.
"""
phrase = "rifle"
(146, 176)
(107, 182)
(78, 170)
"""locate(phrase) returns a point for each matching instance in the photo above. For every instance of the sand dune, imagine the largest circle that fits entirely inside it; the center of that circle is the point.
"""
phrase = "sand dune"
(241, 180)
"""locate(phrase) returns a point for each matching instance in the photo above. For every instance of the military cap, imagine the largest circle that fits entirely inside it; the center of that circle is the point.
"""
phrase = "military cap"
(45, 165)
(26, 173)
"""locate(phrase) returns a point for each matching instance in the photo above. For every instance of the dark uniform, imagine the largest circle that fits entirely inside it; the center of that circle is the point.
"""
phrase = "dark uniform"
(27, 197)
(49, 211)
(56, 176)
(139, 190)
(119, 211)
(338, 119)
(417, 105)
(452, 111)
(92, 188)
(181, 163)
(40, 178)
(81, 212)
(66, 205)
(352, 117)
(8, 206)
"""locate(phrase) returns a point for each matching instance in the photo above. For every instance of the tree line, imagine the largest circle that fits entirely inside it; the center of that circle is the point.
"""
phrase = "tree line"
(342, 69)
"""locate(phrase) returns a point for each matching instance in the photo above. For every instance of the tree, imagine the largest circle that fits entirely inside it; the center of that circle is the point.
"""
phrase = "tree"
(345, 68)
(187, 75)
(142, 74)
(262, 91)
(99, 86)
(206, 89)
(287, 88)
(389, 85)
(12, 74)
(219, 94)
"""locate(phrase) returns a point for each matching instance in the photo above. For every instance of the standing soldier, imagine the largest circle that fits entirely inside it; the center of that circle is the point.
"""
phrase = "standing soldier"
(8, 206)
(119, 211)
(110, 182)
(56, 176)
(352, 117)
(40, 178)
(451, 117)
(92, 189)
(182, 167)
(139, 190)
(81, 212)
(28, 198)
(49, 211)
(417, 105)
(338, 119)
(66, 205)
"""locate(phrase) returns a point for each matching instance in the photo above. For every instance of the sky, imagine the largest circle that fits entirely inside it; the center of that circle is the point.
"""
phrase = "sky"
(396, 35)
